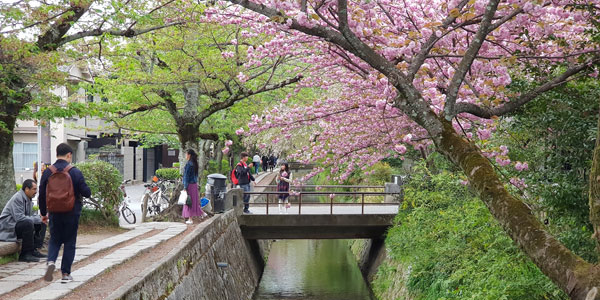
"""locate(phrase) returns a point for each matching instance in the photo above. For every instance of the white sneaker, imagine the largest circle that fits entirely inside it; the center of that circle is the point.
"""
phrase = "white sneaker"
(189, 222)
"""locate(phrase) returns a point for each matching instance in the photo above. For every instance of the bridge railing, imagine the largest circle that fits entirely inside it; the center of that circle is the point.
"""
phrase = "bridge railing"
(330, 194)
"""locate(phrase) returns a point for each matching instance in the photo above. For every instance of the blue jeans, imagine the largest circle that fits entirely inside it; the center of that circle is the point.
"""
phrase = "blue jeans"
(63, 230)
(246, 188)
(256, 165)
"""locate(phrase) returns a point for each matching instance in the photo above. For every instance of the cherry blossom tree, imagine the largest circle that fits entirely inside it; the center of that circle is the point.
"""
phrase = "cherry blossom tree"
(434, 73)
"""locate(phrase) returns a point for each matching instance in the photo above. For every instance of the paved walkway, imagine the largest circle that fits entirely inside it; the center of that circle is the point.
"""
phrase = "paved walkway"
(17, 274)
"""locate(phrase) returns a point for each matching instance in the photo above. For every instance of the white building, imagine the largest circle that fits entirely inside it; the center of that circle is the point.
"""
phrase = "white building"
(77, 132)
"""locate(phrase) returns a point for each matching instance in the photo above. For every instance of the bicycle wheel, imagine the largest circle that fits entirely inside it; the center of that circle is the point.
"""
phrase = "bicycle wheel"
(128, 215)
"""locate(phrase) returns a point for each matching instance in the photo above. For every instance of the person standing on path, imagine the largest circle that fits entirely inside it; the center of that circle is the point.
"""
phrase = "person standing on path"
(272, 162)
(256, 161)
(244, 176)
(190, 183)
(63, 225)
(265, 163)
(17, 221)
(284, 179)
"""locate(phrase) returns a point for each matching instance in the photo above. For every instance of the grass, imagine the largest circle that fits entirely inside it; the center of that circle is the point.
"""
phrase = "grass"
(94, 218)
(8, 258)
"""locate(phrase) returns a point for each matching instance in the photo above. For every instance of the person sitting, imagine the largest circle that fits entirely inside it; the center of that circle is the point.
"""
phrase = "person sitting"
(18, 222)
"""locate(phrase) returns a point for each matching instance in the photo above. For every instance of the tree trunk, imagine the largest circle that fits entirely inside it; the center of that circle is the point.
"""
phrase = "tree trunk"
(7, 169)
(594, 193)
(219, 155)
(8, 119)
(568, 271)
(203, 158)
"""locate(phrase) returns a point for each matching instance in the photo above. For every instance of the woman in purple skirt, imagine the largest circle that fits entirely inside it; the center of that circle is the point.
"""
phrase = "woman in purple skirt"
(190, 183)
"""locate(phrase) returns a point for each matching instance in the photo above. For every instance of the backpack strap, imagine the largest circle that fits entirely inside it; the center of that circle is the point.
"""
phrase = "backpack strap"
(52, 169)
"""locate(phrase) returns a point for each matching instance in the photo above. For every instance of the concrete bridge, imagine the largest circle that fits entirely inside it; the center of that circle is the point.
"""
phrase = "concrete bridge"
(325, 226)
(319, 221)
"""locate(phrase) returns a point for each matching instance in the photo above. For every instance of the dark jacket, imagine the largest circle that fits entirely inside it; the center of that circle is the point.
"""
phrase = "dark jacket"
(80, 187)
(189, 176)
(243, 174)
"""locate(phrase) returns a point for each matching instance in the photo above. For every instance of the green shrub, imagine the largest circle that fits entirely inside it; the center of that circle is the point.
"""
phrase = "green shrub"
(19, 187)
(104, 180)
(176, 165)
(168, 173)
(382, 173)
(455, 248)
(95, 218)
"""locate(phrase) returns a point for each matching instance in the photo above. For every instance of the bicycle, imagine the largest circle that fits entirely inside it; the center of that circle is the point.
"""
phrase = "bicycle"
(123, 208)
(156, 200)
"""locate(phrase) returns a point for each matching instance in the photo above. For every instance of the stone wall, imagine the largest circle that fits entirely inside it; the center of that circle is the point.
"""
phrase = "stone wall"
(190, 270)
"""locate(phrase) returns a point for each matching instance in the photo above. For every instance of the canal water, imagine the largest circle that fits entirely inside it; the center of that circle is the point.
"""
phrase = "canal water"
(312, 270)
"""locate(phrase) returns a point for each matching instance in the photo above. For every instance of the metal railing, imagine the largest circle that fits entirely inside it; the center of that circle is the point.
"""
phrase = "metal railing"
(357, 187)
(330, 194)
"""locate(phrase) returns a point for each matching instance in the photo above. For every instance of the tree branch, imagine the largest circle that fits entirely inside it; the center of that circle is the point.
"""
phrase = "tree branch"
(511, 106)
(243, 95)
(419, 59)
(140, 109)
(125, 33)
(465, 64)
(50, 39)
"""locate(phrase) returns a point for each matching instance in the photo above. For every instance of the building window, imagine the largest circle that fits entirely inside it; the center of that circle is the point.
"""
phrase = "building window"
(24, 155)
(90, 98)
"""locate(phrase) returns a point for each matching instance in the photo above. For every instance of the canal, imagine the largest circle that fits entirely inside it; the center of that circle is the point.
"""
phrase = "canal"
(312, 270)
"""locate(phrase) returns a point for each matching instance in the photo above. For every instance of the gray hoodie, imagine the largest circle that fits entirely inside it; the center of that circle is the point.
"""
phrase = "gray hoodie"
(18, 208)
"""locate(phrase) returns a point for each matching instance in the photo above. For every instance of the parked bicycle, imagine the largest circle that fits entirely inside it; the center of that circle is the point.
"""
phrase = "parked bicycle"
(156, 200)
(123, 208)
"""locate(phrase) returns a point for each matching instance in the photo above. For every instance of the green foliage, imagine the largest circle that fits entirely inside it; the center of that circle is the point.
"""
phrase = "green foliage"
(454, 249)
(19, 187)
(176, 165)
(381, 173)
(8, 258)
(168, 173)
(555, 135)
(95, 218)
(104, 181)
(213, 167)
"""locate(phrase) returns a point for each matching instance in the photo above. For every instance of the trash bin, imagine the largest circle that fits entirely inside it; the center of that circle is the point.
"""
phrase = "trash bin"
(216, 193)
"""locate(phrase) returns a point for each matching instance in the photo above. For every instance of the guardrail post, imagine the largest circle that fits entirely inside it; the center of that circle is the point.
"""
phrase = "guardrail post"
(363, 203)
(331, 204)
(300, 203)
(267, 204)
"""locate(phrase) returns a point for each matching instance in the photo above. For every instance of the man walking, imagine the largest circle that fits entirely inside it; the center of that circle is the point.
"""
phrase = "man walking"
(244, 177)
(62, 188)
(256, 161)
(18, 222)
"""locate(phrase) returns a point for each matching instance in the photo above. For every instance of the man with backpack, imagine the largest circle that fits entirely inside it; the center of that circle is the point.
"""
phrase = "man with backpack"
(242, 176)
(62, 188)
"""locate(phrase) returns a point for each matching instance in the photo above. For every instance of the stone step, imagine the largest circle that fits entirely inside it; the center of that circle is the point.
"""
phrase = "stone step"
(8, 248)
(22, 274)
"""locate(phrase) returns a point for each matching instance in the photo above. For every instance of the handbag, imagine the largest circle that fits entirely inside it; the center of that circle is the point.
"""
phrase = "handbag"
(183, 198)
(188, 201)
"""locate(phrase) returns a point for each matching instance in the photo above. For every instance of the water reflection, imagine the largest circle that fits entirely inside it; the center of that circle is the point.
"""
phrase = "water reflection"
(312, 269)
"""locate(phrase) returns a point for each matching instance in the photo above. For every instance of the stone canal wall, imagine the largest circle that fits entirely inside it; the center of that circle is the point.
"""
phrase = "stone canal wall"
(196, 268)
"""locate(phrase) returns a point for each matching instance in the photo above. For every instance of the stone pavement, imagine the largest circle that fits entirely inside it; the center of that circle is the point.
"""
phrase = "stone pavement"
(17, 274)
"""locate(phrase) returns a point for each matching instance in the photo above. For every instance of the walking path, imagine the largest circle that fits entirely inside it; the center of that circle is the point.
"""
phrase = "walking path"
(20, 280)
(19, 274)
